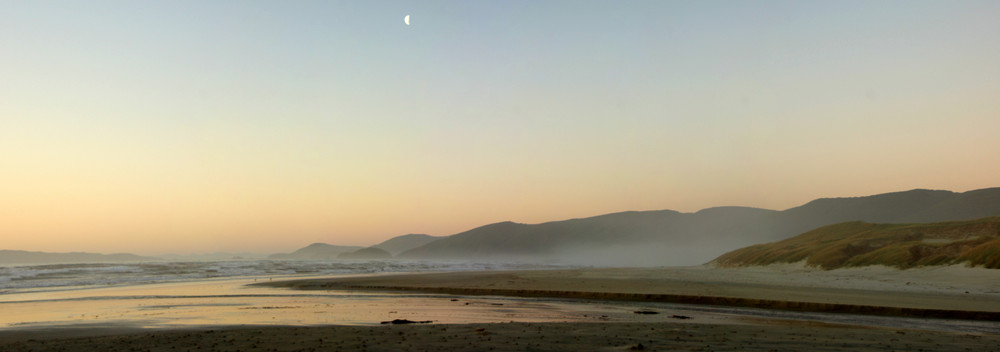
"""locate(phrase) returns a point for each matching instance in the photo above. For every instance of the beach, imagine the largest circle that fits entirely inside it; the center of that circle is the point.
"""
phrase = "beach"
(566, 309)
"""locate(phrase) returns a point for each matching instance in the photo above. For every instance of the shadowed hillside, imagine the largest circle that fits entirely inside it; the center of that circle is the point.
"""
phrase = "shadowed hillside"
(629, 238)
(976, 242)
(316, 251)
(668, 237)
(366, 253)
(390, 247)
(404, 243)
(616, 236)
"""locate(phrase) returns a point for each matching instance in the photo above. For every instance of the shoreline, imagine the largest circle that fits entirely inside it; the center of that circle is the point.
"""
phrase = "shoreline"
(676, 285)
(697, 300)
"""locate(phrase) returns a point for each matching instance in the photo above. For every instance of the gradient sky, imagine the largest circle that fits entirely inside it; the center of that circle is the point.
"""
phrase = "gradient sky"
(196, 126)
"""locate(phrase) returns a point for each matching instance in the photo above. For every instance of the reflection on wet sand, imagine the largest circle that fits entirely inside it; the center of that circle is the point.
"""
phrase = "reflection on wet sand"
(232, 302)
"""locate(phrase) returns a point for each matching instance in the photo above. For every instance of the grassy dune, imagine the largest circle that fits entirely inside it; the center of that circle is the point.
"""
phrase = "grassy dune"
(851, 244)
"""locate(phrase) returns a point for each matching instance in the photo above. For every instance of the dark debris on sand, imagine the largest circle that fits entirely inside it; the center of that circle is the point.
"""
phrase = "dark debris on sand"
(406, 321)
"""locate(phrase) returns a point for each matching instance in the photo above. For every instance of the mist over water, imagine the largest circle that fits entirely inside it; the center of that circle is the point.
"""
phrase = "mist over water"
(18, 278)
(638, 255)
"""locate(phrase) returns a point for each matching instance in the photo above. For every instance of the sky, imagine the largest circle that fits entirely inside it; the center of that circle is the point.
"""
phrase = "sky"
(158, 127)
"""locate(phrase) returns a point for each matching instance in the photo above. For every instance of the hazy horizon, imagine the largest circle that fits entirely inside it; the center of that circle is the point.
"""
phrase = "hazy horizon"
(293, 247)
(250, 126)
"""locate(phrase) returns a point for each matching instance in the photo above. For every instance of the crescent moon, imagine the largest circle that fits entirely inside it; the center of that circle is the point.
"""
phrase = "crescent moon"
(406, 20)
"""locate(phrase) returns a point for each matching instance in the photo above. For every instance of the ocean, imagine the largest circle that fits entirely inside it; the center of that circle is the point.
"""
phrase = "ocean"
(45, 277)
(219, 293)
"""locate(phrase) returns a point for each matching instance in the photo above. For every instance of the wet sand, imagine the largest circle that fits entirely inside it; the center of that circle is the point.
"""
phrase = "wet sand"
(233, 302)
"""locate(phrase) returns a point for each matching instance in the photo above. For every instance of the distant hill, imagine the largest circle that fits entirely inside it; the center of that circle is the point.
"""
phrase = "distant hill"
(667, 237)
(366, 253)
(662, 237)
(857, 243)
(316, 251)
(26, 257)
(916, 206)
(404, 243)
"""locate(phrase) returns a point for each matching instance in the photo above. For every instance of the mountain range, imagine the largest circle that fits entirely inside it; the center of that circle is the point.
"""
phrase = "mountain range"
(633, 238)
(667, 237)
(323, 251)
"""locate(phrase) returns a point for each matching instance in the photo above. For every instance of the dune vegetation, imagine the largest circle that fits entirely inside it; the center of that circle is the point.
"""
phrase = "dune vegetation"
(854, 244)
